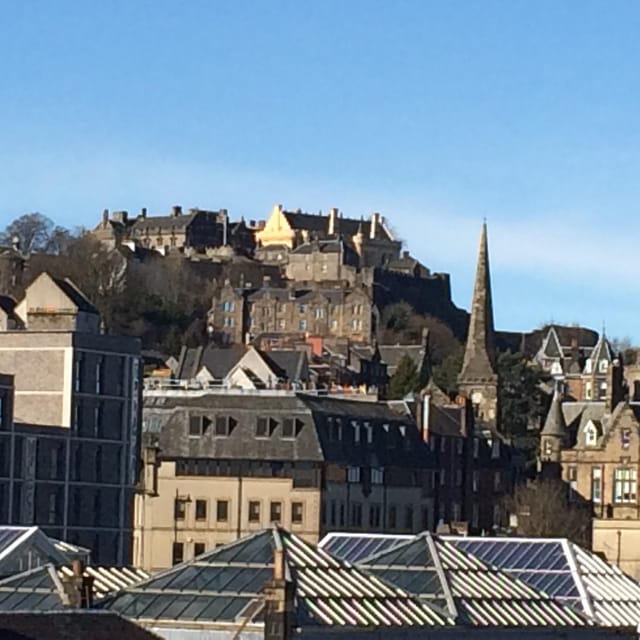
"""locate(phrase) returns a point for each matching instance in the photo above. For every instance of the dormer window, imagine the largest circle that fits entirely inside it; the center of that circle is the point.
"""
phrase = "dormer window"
(590, 435)
(556, 369)
(625, 438)
(603, 366)
(587, 366)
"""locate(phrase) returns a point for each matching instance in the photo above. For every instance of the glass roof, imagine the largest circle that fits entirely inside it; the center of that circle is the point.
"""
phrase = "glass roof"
(356, 547)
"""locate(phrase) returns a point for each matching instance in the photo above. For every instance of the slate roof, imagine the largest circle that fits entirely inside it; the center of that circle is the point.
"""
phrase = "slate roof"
(324, 429)
(288, 364)
(345, 226)
(75, 295)
(219, 361)
(163, 222)
(225, 585)
(391, 354)
(554, 424)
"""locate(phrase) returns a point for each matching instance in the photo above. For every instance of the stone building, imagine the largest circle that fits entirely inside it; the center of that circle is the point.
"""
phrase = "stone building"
(323, 309)
(478, 379)
(12, 268)
(69, 452)
(221, 465)
(371, 240)
(322, 260)
(195, 230)
(580, 366)
(594, 446)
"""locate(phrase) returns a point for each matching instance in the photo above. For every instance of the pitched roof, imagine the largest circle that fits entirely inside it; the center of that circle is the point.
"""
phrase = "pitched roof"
(551, 345)
(347, 227)
(75, 295)
(554, 424)
(225, 585)
(473, 592)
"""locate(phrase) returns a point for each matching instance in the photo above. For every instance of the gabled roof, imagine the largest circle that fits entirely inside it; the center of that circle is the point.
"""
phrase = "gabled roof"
(226, 585)
(602, 351)
(473, 592)
(551, 345)
(554, 424)
(75, 295)
(23, 548)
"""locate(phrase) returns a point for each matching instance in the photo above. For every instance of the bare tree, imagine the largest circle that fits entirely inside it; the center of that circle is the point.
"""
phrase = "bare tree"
(546, 508)
(33, 232)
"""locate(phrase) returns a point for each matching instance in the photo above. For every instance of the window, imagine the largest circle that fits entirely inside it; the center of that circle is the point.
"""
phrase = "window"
(296, 512)
(587, 366)
(374, 515)
(262, 428)
(455, 512)
(197, 426)
(97, 420)
(475, 481)
(603, 366)
(319, 314)
(275, 512)
(392, 518)
(353, 474)
(443, 477)
(254, 511)
(77, 374)
(177, 553)
(356, 325)
(228, 306)
(548, 447)
(198, 548)
(495, 449)
(302, 325)
(282, 324)
(572, 477)
(496, 481)
(289, 428)
(459, 446)
(229, 322)
(179, 509)
(334, 325)
(52, 508)
(302, 308)
(408, 517)
(590, 435)
(596, 485)
(356, 514)
(356, 431)
(369, 430)
(476, 448)
(99, 376)
(475, 515)
(201, 509)
(377, 476)
(625, 438)
(497, 515)
(458, 477)
(587, 390)
(443, 445)
(357, 309)
(222, 510)
(624, 485)
(223, 426)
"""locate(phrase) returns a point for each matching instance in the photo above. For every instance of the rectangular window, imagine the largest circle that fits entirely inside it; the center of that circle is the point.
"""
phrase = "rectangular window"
(459, 446)
(495, 449)
(356, 514)
(302, 325)
(496, 481)
(201, 509)
(296, 512)
(455, 512)
(99, 376)
(222, 510)
(572, 476)
(302, 308)
(596, 485)
(179, 509)
(443, 477)
(369, 430)
(198, 549)
(475, 515)
(254, 511)
(476, 448)
(222, 426)
(196, 426)
(625, 438)
(262, 428)
(624, 485)
(392, 518)
(475, 481)
(319, 314)
(458, 477)
(275, 512)
(52, 508)
(408, 518)
(343, 519)
(377, 476)
(229, 322)
(443, 445)
(353, 474)
(97, 421)
(288, 428)
(77, 374)
(177, 553)
(374, 515)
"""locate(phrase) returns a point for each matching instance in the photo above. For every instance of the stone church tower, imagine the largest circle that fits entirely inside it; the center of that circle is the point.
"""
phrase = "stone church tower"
(478, 379)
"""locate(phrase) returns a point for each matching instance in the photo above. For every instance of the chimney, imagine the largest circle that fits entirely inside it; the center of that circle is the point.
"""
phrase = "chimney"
(279, 610)
(105, 217)
(15, 243)
(78, 588)
(143, 212)
(615, 385)
(375, 220)
(176, 211)
(424, 415)
(333, 217)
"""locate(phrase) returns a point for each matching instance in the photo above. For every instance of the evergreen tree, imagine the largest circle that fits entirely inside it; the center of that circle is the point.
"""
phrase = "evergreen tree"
(405, 380)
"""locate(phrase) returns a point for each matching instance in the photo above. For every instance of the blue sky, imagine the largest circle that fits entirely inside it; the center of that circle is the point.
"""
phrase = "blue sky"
(436, 114)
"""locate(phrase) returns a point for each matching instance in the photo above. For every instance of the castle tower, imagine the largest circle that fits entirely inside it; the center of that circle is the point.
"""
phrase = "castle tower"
(552, 439)
(478, 379)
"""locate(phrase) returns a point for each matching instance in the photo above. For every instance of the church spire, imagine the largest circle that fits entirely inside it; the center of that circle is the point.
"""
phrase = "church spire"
(480, 355)
(478, 379)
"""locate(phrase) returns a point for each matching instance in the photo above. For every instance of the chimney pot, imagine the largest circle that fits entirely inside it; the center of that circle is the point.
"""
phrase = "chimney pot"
(143, 212)
(176, 210)
(77, 567)
(278, 564)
